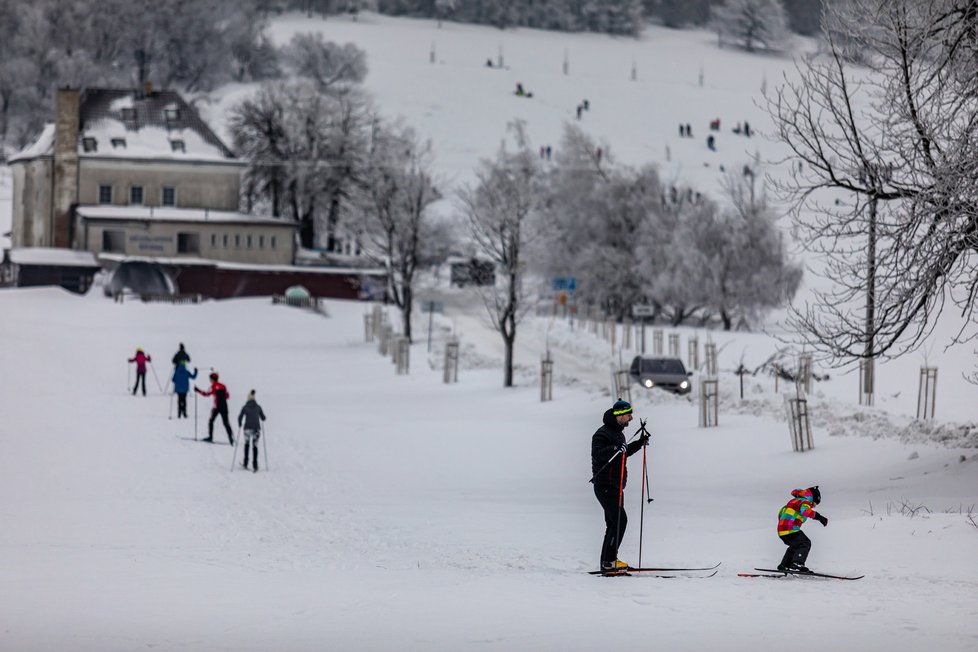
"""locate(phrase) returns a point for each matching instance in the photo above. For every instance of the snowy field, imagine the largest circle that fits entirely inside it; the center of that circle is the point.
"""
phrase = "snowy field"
(401, 513)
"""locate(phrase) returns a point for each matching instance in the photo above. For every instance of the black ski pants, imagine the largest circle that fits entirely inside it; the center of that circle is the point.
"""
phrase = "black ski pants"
(799, 545)
(182, 405)
(140, 377)
(615, 521)
(227, 424)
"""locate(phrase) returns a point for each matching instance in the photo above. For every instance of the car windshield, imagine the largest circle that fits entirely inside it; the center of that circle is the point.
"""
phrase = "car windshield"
(667, 366)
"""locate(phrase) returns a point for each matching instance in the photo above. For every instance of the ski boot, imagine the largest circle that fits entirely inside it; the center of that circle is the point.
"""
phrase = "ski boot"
(616, 565)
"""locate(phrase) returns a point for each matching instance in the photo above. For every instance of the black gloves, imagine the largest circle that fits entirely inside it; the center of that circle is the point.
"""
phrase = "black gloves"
(821, 519)
(644, 439)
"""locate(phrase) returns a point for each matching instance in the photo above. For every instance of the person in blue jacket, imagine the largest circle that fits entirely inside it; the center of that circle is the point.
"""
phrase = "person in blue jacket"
(181, 385)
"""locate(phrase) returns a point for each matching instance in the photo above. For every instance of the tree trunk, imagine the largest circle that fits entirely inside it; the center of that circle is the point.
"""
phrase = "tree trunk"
(408, 295)
(508, 364)
(727, 320)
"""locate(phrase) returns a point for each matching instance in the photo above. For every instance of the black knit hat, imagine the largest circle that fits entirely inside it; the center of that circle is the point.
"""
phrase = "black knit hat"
(621, 407)
(816, 494)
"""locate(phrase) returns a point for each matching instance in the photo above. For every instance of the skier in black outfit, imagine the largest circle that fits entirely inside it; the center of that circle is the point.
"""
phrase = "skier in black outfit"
(181, 356)
(252, 415)
(608, 443)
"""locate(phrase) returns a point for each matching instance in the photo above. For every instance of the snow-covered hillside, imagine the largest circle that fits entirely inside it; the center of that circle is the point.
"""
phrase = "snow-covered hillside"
(398, 512)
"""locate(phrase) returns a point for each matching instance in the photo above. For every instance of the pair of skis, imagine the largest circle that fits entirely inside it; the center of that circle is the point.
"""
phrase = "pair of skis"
(656, 571)
(773, 572)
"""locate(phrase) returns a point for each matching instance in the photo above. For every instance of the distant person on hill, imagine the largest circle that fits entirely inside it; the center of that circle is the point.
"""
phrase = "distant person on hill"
(682, 130)
(747, 131)
(689, 131)
(519, 90)
(252, 416)
(711, 143)
(488, 63)
(790, 519)
(608, 452)
(586, 104)
(550, 152)
(580, 109)
(221, 396)
(140, 359)
(181, 356)
(181, 385)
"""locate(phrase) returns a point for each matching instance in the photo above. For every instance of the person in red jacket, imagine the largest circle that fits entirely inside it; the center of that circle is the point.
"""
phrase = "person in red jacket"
(140, 359)
(790, 519)
(221, 396)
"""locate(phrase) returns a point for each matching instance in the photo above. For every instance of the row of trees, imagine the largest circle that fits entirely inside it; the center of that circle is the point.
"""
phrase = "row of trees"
(624, 235)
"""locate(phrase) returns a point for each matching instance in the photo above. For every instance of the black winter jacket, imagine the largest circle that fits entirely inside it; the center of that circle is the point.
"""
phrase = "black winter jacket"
(604, 443)
(250, 413)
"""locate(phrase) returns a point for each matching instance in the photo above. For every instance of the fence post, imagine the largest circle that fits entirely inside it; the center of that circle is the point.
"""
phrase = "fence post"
(621, 383)
(451, 362)
(643, 336)
(867, 381)
(656, 341)
(403, 356)
(799, 424)
(626, 333)
(709, 403)
(368, 327)
(546, 378)
(805, 372)
(710, 349)
(927, 393)
(673, 345)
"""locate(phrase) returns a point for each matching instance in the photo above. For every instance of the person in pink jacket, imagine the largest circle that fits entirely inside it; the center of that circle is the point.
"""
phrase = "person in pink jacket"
(140, 359)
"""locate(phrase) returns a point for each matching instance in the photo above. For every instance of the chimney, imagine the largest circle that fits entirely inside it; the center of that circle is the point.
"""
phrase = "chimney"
(147, 88)
(65, 174)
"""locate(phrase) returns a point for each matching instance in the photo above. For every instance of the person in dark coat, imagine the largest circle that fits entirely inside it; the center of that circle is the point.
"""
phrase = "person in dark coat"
(181, 385)
(181, 356)
(252, 416)
(608, 452)
(221, 396)
(140, 359)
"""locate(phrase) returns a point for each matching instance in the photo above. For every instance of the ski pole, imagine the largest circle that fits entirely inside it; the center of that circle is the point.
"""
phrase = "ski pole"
(158, 385)
(264, 445)
(195, 413)
(128, 376)
(621, 501)
(234, 454)
(641, 518)
(170, 414)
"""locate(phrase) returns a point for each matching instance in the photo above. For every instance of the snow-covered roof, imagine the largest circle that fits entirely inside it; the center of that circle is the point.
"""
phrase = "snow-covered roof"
(186, 260)
(43, 146)
(52, 256)
(126, 124)
(170, 214)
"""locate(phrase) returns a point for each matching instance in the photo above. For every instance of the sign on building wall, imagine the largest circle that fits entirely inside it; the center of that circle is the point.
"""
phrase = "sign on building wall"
(154, 243)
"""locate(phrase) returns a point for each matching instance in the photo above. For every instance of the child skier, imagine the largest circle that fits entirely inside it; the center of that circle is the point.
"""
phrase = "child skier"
(181, 385)
(790, 519)
(221, 396)
(140, 359)
(252, 415)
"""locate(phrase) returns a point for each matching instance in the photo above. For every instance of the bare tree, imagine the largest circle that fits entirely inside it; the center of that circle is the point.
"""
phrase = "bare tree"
(751, 24)
(499, 209)
(398, 188)
(884, 184)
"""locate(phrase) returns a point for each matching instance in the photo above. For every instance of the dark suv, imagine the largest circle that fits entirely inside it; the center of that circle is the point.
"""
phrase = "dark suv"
(667, 373)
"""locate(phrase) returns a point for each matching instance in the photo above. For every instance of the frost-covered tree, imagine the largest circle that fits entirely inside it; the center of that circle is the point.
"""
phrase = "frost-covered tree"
(751, 24)
(499, 210)
(333, 67)
(896, 145)
(396, 192)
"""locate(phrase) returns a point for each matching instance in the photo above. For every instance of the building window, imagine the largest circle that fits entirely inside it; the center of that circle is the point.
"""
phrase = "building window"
(89, 144)
(105, 194)
(178, 146)
(261, 242)
(213, 240)
(171, 115)
(118, 142)
(169, 196)
(188, 243)
(114, 241)
(272, 243)
(225, 240)
(136, 195)
(248, 241)
(237, 241)
(129, 114)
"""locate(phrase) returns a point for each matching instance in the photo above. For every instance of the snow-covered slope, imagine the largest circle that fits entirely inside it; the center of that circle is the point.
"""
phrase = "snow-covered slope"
(398, 512)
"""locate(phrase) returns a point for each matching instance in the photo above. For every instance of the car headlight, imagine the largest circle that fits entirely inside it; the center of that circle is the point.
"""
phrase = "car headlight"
(683, 385)
(648, 383)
